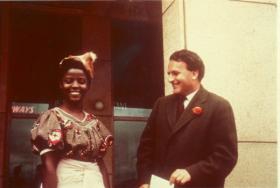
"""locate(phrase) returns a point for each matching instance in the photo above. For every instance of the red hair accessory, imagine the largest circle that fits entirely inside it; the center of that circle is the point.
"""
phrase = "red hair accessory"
(197, 110)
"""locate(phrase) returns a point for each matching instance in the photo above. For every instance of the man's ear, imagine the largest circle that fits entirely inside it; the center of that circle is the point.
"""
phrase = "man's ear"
(195, 75)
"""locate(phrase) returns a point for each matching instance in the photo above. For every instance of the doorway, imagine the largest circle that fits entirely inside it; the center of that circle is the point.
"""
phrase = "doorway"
(38, 41)
(137, 66)
(41, 34)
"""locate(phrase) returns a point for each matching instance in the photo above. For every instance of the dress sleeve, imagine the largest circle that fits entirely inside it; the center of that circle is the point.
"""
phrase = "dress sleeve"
(105, 133)
(46, 134)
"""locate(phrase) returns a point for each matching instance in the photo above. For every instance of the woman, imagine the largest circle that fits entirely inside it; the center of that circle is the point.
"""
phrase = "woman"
(71, 141)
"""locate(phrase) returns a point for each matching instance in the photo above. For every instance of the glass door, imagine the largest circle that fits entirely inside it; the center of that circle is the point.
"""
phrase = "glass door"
(129, 124)
(24, 166)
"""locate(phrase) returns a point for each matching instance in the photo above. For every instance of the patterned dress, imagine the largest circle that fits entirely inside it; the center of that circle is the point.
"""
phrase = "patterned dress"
(81, 143)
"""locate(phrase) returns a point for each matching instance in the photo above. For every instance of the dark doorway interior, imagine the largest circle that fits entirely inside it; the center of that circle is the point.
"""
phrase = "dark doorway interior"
(137, 63)
(38, 42)
(137, 66)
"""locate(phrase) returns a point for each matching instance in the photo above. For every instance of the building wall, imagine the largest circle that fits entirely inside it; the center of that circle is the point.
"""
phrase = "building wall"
(237, 41)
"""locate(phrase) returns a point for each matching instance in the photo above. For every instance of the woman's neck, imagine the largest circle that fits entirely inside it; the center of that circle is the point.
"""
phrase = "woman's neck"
(76, 110)
(72, 107)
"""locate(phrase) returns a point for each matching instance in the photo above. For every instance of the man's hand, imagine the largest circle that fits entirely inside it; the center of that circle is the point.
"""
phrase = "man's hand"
(145, 186)
(180, 177)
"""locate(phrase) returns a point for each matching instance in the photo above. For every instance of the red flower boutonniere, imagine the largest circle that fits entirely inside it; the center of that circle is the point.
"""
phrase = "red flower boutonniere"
(197, 110)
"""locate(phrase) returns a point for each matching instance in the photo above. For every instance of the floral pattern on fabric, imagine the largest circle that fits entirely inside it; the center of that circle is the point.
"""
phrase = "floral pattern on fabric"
(55, 137)
(85, 139)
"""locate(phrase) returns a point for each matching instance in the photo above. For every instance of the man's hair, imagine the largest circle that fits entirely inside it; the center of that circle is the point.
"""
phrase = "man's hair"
(193, 61)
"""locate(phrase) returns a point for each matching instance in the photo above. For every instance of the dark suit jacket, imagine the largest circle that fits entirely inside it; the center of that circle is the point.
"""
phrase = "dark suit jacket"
(205, 144)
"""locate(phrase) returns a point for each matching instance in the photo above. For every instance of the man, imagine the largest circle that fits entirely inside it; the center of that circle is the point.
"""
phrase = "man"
(193, 148)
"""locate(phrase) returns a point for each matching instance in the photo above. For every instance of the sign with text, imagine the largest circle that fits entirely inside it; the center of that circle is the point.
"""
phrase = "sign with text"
(29, 108)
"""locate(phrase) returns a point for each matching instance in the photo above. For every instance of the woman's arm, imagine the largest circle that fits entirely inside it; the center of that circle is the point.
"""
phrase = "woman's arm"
(49, 161)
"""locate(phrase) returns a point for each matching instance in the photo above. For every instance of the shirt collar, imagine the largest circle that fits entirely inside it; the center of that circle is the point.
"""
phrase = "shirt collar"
(191, 95)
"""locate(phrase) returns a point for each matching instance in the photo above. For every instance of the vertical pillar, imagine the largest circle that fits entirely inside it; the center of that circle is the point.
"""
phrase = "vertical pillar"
(173, 32)
(4, 55)
(96, 37)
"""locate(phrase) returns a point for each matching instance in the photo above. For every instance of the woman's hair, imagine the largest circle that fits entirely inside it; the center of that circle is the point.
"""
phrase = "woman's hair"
(71, 63)
(83, 62)
(193, 61)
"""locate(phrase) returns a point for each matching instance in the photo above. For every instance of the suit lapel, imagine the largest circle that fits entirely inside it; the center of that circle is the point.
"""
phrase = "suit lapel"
(188, 115)
(171, 111)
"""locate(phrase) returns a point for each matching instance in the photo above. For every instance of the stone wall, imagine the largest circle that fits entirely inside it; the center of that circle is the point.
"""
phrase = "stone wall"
(237, 42)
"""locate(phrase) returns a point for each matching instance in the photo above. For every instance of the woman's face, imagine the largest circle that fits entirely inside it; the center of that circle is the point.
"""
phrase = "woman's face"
(74, 85)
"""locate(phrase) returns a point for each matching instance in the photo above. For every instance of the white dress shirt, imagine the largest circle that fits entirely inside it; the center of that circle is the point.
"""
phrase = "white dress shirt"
(189, 98)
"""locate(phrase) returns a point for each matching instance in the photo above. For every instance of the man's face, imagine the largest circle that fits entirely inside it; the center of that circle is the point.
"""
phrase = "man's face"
(183, 80)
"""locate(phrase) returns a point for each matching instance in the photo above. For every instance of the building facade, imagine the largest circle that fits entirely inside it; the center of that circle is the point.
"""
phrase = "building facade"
(235, 38)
